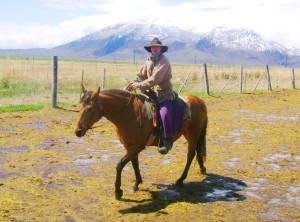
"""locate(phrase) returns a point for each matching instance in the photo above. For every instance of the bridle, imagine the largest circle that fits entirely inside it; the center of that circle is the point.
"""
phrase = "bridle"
(86, 126)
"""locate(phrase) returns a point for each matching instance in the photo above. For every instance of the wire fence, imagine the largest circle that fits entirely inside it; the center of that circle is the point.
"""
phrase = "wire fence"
(29, 79)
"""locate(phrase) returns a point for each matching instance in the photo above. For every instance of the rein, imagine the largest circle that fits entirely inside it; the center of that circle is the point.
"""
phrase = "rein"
(93, 110)
(99, 126)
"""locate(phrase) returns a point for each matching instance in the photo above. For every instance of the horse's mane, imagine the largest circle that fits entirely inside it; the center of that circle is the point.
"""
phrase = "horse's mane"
(123, 93)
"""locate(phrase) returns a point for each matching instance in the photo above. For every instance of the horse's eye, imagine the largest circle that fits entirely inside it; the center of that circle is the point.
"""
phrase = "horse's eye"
(89, 109)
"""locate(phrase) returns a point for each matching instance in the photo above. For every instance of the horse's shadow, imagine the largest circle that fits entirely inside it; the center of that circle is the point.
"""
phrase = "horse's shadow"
(213, 188)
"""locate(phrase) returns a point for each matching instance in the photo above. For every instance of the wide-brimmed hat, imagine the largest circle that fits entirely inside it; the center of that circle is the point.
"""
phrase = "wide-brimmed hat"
(156, 42)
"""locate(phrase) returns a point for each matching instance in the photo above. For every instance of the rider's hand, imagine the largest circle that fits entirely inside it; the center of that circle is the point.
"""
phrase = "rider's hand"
(133, 86)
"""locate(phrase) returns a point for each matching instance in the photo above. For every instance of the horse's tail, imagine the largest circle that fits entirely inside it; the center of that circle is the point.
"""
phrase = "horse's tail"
(201, 144)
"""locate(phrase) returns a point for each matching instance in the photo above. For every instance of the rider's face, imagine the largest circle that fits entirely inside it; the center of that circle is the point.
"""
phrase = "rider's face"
(155, 50)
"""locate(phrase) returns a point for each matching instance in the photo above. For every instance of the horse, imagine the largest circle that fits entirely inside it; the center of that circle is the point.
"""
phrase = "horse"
(135, 130)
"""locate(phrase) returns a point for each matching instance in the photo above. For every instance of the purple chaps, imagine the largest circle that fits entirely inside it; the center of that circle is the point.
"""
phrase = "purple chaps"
(171, 117)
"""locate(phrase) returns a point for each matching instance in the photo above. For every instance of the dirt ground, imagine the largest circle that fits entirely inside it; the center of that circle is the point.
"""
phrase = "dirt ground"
(253, 167)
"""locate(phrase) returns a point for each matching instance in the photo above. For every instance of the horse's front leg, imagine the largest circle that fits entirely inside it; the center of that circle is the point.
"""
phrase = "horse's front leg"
(120, 166)
(138, 180)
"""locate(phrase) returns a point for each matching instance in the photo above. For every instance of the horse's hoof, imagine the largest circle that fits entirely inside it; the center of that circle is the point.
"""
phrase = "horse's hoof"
(135, 188)
(203, 170)
(118, 194)
(179, 183)
(163, 150)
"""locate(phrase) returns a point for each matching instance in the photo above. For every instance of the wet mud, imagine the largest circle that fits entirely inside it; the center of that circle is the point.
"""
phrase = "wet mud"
(253, 167)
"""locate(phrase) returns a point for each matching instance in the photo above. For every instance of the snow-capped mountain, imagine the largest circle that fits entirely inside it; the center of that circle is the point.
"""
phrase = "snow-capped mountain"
(130, 37)
(240, 39)
(221, 45)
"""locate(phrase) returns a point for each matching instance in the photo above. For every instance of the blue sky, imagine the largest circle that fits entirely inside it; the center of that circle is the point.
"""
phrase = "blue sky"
(48, 23)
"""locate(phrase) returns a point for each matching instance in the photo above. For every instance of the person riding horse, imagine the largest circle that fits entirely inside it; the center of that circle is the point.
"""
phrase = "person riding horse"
(156, 75)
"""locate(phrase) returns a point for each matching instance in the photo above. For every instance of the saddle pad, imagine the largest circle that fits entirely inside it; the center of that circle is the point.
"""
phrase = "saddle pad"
(187, 114)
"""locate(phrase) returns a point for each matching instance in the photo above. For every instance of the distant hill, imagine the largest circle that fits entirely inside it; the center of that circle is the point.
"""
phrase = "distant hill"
(126, 41)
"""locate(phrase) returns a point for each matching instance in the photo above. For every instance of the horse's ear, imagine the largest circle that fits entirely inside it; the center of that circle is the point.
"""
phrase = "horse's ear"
(83, 89)
(96, 94)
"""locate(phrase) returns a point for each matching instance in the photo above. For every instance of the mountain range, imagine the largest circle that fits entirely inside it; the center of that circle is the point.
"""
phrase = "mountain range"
(221, 45)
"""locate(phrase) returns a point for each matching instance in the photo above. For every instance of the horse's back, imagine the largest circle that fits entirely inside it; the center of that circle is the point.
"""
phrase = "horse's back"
(198, 112)
(195, 103)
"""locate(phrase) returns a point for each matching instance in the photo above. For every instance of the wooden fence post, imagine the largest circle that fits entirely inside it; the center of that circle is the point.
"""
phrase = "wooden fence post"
(103, 79)
(54, 82)
(269, 79)
(241, 80)
(206, 79)
(293, 79)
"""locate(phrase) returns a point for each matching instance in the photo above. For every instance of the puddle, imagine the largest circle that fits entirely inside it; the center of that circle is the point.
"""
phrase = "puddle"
(276, 157)
(44, 146)
(1, 160)
(14, 149)
(272, 215)
(232, 162)
(274, 117)
(221, 194)
(237, 133)
(46, 174)
(40, 126)
(105, 157)
(279, 161)
(85, 161)
(294, 189)
(116, 141)
(7, 175)
(166, 161)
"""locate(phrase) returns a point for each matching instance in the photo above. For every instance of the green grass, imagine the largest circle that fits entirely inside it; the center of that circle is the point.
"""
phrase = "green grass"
(16, 108)
(11, 89)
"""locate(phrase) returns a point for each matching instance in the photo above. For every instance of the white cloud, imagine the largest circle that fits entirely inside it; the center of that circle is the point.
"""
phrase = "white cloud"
(275, 20)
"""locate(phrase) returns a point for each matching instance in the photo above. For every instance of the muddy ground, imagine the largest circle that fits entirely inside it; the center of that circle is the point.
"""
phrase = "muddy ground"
(253, 167)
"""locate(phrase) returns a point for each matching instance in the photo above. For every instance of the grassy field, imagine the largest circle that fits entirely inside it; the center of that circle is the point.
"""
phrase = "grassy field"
(27, 80)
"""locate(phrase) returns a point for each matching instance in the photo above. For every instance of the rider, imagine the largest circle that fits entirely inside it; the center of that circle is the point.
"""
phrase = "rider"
(156, 74)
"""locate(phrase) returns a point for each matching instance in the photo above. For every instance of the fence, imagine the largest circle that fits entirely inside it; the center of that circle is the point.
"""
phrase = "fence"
(30, 80)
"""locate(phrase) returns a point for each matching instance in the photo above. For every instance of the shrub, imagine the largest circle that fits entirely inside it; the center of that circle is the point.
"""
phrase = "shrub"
(5, 82)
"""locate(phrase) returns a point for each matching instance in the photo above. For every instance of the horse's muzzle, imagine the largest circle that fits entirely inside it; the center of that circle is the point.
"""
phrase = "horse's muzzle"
(79, 132)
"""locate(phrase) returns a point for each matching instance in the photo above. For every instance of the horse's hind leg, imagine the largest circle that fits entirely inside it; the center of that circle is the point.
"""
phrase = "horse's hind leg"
(138, 181)
(190, 157)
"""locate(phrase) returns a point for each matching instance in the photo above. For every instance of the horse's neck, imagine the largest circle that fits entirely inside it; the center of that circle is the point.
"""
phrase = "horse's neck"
(116, 107)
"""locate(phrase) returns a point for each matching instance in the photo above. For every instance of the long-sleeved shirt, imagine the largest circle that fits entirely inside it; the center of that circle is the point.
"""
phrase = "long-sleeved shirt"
(159, 78)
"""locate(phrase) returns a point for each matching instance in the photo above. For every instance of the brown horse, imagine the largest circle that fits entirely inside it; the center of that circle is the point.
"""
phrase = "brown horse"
(128, 113)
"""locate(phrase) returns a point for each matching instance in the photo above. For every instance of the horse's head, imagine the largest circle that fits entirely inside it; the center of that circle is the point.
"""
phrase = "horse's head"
(89, 112)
